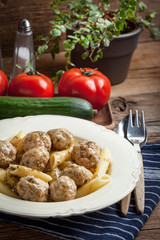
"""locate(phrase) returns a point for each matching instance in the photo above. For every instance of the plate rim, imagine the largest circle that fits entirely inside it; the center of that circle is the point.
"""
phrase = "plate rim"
(71, 211)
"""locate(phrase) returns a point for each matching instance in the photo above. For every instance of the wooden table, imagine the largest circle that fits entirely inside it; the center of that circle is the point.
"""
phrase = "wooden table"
(141, 90)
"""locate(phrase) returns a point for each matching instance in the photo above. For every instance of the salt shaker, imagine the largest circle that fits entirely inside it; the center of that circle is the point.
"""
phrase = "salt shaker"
(1, 60)
(23, 49)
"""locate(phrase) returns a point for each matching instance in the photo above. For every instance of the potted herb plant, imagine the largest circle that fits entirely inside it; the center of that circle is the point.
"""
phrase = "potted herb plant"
(97, 37)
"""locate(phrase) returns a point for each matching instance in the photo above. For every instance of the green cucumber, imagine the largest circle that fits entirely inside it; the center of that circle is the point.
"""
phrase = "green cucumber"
(25, 106)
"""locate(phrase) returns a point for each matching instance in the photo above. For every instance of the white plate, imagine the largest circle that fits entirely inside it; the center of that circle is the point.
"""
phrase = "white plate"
(125, 168)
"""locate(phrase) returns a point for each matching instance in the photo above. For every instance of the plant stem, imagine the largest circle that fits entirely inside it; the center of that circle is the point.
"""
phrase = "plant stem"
(101, 5)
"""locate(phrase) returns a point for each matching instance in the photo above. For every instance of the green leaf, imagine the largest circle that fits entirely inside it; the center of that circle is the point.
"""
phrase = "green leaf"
(57, 77)
(108, 36)
(94, 44)
(45, 38)
(73, 37)
(70, 63)
(146, 23)
(142, 6)
(59, 74)
(106, 42)
(119, 25)
(42, 48)
(89, 37)
(96, 35)
(51, 4)
(69, 45)
(56, 47)
(55, 32)
(38, 38)
(152, 14)
(52, 22)
(56, 11)
(101, 20)
(71, 6)
(85, 55)
(123, 14)
(130, 13)
(93, 7)
(106, 1)
(29, 65)
(52, 54)
(108, 23)
(67, 55)
(95, 59)
(116, 33)
(80, 31)
(63, 28)
(69, 26)
(83, 22)
(85, 30)
(100, 53)
(20, 66)
(84, 43)
(154, 32)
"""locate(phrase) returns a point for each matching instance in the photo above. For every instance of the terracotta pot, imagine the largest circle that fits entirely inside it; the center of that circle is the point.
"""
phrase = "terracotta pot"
(116, 58)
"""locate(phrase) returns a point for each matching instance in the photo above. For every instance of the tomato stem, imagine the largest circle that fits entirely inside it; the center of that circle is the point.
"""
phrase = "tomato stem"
(95, 112)
(87, 73)
(31, 72)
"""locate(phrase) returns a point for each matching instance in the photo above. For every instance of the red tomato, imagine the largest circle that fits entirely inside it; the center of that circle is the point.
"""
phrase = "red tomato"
(27, 85)
(86, 83)
(3, 83)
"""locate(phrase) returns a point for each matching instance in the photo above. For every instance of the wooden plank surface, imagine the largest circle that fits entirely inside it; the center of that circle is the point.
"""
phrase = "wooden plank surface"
(150, 231)
(145, 64)
(141, 89)
(39, 14)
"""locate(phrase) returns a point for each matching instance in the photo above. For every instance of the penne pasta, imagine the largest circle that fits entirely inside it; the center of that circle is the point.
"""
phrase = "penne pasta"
(93, 185)
(17, 142)
(2, 174)
(8, 179)
(55, 173)
(58, 157)
(11, 180)
(58, 160)
(65, 164)
(105, 159)
(22, 171)
(7, 191)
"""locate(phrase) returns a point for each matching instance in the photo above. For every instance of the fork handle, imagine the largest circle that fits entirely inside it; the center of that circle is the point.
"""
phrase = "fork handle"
(139, 191)
(125, 205)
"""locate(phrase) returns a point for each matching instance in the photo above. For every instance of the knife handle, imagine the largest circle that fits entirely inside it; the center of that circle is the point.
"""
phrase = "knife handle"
(139, 191)
(125, 204)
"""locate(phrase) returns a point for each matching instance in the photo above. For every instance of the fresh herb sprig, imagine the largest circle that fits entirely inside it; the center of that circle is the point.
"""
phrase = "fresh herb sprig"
(92, 30)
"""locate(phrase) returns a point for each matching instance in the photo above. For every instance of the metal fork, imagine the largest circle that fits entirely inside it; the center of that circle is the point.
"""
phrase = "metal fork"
(136, 135)
(136, 132)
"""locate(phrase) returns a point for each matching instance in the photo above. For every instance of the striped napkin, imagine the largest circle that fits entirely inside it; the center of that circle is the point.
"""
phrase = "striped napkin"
(106, 223)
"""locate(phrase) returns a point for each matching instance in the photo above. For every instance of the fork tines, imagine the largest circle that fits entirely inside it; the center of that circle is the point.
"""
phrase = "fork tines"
(136, 119)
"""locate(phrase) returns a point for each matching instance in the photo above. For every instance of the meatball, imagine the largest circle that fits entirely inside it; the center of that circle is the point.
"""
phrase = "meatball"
(86, 154)
(63, 189)
(35, 139)
(61, 138)
(36, 158)
(7, 153)
(78, 173)
(33, 189)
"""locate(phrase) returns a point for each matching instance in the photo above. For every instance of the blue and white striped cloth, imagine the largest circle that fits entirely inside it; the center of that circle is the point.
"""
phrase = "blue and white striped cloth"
(106, 223)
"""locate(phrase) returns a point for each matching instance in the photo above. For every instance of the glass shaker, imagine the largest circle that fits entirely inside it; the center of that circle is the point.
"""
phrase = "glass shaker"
(23, 49)
(1, 60)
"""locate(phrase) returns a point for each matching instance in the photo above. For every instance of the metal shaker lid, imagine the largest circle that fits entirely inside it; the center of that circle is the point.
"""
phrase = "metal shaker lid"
(24, 26)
